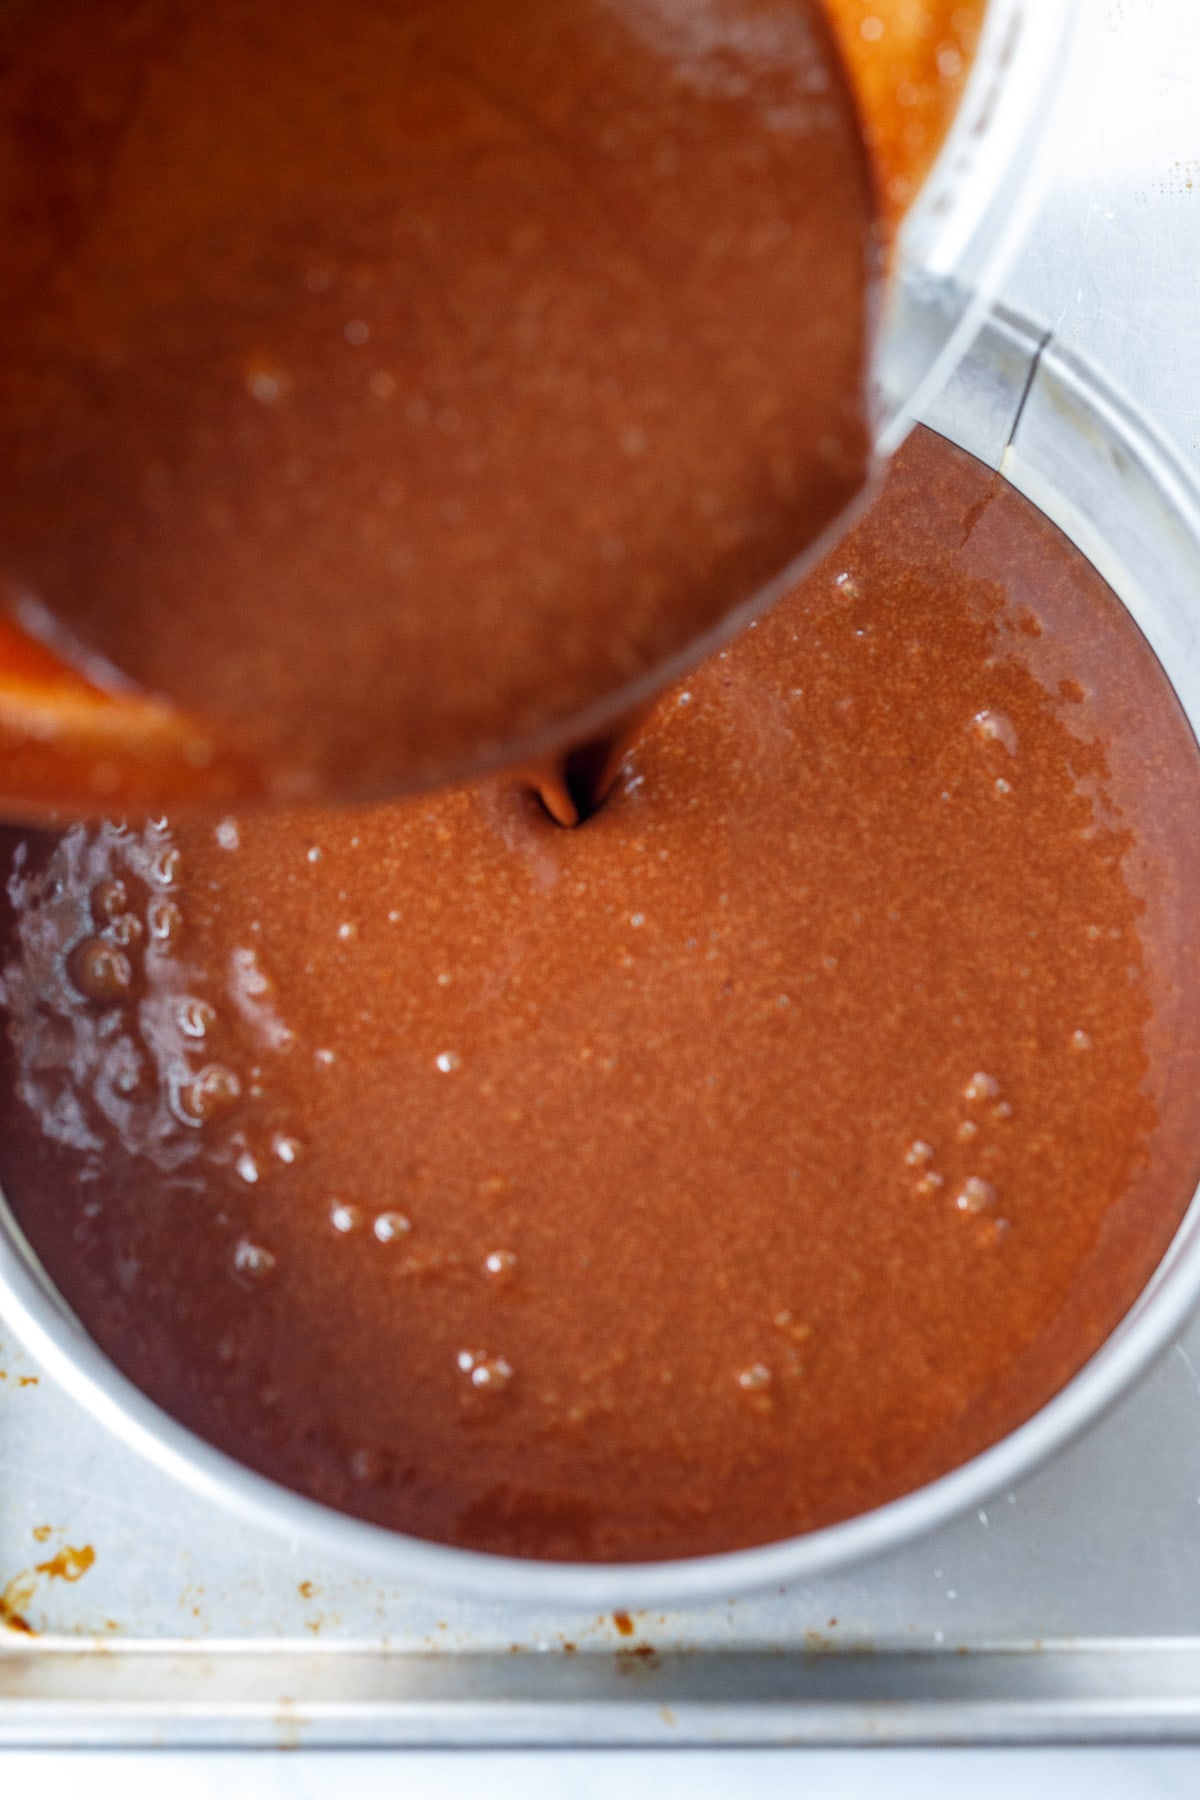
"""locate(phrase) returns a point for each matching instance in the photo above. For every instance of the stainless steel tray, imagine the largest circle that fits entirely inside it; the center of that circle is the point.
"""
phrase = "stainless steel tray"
(133, 1613)
(1068, 1610)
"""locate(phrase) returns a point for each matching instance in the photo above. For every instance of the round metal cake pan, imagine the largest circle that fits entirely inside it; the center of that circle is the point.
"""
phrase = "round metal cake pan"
(1087, 458)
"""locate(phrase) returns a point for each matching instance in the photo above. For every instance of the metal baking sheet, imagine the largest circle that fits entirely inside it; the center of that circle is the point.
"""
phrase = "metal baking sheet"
(1067, 1610)
(134, 1612)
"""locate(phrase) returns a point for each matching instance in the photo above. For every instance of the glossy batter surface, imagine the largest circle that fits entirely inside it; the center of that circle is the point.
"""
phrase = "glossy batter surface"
(387, 385)
(737, 1161)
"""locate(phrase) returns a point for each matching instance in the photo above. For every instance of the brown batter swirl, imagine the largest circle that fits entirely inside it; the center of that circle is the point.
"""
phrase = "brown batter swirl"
(737, 1161)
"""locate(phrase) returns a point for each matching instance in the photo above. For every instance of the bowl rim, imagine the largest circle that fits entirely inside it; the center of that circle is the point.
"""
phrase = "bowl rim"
(32, 1305)
(1021, 71)
(977, 204)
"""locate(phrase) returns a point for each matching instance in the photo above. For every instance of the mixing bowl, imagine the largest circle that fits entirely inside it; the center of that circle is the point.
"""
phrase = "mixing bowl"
(64, 742)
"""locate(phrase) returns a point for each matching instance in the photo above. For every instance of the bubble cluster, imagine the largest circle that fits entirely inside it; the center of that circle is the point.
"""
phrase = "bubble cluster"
(389, 1226)
(975, 1195)
(113, 1039)
(984, 1109)
(486, 1372)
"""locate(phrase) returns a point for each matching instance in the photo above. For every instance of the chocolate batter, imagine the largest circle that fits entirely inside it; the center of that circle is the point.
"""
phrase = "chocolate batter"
(388, 385)
(739, 1160)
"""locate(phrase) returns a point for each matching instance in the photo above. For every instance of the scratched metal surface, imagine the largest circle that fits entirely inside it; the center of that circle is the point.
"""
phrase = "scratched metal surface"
(1078, 1594)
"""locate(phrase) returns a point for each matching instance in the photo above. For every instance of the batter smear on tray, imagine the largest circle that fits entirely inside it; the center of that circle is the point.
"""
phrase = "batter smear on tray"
(745, 1157)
